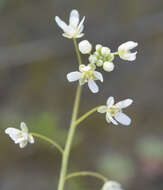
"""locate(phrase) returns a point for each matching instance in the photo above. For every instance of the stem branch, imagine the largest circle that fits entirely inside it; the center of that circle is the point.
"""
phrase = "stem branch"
(49, 141)
(87, 173)
(83, 117)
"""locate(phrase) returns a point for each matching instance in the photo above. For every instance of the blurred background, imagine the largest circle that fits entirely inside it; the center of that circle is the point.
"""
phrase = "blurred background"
(34, 61)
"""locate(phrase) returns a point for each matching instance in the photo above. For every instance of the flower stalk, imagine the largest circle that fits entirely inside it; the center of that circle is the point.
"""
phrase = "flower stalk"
(87, 173)
(67, 149)
(59, 148)
(83, 117)
(77, 51)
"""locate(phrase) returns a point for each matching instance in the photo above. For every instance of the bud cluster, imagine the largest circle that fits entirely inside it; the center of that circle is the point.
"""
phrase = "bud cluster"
(102, 57)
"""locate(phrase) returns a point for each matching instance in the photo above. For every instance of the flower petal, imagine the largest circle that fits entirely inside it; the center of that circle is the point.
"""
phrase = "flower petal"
(98, 75)
(109, 118)
(79, 35)
(24, 127)
(112, 185)
(19, 140)
(62, 24)
(73, 76)
(12, 132)
(66, 35)
(124, 103)
(123, 118)
(110, 101)
(74, 18)
(31, 139)
(102, 109)
(130, 56)
(81, 26)
(93, 86)
(128, 45)
(23, 144)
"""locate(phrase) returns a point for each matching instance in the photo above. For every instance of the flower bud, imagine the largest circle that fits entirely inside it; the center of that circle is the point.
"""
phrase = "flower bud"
(99, 63)
(85, 47)
(108, 66)
(105, 51)
(92, 59)
(98, 47)
(112, 185)
(125, 53)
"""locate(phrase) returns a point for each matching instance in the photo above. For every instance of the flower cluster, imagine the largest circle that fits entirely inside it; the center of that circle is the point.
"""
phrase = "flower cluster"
(101, 57)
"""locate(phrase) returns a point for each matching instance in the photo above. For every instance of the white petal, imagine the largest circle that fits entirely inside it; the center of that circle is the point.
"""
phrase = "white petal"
(31, 139)
(81, 26)
(24, 127)
(123, 118)
(12, 132)
(110, 101)
(62, 24)
(102, 109)
(112, 185)
(79, 35)
(73, 76)
(128, 45)
(124, 103)
(98, 75)
(74, 18)
(109, 118)
(23, 144)
(129, 56)
(66, 35)
(93, 86)
(19, 140)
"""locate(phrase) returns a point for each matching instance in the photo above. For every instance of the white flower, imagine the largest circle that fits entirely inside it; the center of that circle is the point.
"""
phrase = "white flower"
(74, 29)
(108, 66)
(88, 75)
(21, 137)
(125, 53)
(85, 47)
(114, 112)
(112, 185)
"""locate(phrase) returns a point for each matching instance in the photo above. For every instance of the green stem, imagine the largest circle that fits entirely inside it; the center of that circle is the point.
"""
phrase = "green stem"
(67, 149)
(86, 115)
(115, 53)
(87, 173)
(49, 141)
(77, 51)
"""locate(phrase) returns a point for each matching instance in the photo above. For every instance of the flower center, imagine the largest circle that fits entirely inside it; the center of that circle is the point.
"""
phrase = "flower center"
(113, 110)
(88, 75)
(22, 135)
